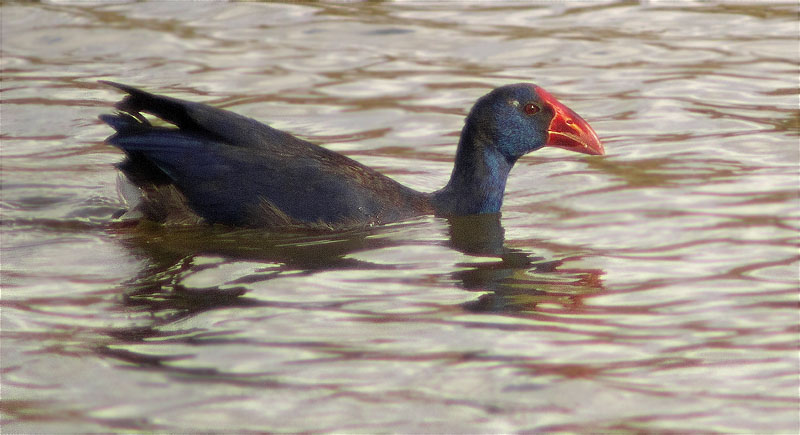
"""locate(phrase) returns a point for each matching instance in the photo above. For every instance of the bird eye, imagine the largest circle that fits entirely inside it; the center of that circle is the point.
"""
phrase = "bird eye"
(531, 109)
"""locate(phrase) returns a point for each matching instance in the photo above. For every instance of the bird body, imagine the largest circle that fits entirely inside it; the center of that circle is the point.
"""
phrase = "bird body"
(220, 167)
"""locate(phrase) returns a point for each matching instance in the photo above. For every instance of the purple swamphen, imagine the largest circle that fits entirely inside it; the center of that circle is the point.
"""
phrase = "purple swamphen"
(219, 167)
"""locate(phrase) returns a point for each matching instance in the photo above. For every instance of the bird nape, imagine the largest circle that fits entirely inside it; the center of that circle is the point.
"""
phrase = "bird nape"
(216, 166)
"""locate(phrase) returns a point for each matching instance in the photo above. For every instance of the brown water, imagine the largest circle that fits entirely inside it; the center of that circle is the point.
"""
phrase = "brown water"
(653, 289)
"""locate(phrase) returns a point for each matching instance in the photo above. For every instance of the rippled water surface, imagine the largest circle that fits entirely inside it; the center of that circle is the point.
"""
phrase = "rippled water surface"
(652, 289)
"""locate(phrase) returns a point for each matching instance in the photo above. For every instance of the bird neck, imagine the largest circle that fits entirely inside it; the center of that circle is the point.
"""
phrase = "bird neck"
(478, 180)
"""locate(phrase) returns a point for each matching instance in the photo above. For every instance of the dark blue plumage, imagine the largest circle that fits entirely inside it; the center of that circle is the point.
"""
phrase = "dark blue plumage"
(225, 168)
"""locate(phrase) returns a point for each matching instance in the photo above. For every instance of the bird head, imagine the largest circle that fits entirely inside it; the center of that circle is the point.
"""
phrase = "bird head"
(520, 118)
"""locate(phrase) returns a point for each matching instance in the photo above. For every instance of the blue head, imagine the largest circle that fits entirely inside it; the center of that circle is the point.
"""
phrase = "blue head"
(502, 126)
(510, 120)
(520, 118)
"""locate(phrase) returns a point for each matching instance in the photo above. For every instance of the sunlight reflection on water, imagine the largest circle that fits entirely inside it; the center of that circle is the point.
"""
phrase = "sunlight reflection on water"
(653, 289)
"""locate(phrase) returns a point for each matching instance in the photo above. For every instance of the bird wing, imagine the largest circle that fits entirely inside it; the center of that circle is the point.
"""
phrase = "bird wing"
(238, 171)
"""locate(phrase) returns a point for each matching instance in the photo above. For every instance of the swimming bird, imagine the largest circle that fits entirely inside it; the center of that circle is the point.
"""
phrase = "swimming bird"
(218, 167)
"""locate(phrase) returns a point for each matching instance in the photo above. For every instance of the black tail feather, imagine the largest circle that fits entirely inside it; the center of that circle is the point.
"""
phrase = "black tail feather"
(169, 109)
(125, 122)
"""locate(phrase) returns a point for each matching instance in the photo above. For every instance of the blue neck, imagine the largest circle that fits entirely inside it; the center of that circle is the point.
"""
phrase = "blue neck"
(478, 181)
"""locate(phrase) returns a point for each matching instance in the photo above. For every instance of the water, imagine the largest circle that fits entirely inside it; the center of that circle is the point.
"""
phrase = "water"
(652, 289)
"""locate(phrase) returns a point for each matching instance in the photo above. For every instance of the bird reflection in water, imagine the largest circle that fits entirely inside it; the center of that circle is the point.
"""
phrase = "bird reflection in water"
(511, 281)
(519, 281)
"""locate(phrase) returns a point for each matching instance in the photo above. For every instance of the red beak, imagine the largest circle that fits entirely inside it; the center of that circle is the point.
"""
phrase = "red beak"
(568, 130)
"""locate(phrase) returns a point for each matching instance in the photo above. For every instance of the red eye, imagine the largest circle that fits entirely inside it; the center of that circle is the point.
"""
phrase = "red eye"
(531, 109)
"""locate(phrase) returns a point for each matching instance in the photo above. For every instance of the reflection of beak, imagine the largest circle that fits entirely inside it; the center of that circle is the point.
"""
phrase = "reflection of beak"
(568, 130)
